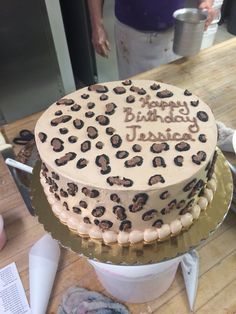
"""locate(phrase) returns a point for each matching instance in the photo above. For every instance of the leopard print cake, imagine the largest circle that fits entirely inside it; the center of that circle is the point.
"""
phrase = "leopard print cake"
(128, 161)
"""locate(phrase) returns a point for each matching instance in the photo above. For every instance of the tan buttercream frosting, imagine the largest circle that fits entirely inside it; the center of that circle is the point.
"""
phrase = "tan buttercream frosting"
(126, 160)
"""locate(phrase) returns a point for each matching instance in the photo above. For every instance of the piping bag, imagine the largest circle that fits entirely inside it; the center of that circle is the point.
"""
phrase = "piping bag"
(43, 262)
(190, 271)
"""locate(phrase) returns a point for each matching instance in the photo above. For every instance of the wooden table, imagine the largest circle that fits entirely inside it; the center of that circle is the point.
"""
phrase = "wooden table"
(212, 76)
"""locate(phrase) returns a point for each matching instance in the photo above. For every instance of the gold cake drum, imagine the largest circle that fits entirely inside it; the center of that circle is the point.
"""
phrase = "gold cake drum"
(141, 253)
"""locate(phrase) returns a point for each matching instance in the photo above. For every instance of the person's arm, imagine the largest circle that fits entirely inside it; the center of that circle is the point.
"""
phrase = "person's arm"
(207, 5)
(99, 34)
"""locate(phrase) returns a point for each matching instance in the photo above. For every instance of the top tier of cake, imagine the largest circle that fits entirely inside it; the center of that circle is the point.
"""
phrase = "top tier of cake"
(131, 135)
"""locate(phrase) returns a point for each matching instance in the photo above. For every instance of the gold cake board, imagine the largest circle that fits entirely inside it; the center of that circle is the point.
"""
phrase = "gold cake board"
(141, 253)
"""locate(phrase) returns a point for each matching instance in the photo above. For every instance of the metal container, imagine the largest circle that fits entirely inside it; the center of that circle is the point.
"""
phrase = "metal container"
(188, 33)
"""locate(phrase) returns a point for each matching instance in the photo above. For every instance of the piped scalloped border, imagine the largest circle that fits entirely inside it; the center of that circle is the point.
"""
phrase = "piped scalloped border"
(141, 253)
(135, 236)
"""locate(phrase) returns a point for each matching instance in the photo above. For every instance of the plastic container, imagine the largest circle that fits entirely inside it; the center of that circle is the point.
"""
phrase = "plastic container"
(217, 3)
(188, 31)
(136, 284)
(209, 36)
(217, 18)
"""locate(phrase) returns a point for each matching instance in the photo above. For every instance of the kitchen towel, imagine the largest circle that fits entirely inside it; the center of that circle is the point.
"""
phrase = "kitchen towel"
(78, 300)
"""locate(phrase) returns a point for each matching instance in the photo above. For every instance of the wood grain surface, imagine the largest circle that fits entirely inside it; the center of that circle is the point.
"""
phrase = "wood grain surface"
(212, 76)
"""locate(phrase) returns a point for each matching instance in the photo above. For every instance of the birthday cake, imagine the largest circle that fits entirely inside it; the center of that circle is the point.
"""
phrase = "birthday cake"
(128, 161)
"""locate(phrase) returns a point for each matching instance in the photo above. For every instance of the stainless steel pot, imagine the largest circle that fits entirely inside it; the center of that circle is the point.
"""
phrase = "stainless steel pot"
(188, 32)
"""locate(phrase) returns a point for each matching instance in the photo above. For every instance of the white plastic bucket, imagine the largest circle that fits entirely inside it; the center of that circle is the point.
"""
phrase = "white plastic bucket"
(209, 36)
(136, 284)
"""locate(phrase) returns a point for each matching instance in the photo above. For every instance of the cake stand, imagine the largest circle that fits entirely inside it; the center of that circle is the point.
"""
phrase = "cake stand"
(140, 253)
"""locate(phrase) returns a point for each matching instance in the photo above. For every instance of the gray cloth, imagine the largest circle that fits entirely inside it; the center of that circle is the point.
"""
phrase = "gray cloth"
(225, 137)
(78, 300)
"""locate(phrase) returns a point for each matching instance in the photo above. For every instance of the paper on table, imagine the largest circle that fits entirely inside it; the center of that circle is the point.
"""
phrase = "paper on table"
(43, 262)
(190, 270)
(12, 294)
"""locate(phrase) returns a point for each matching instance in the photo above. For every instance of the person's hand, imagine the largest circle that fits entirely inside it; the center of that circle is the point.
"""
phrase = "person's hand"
(207, 5)
(100, 41)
